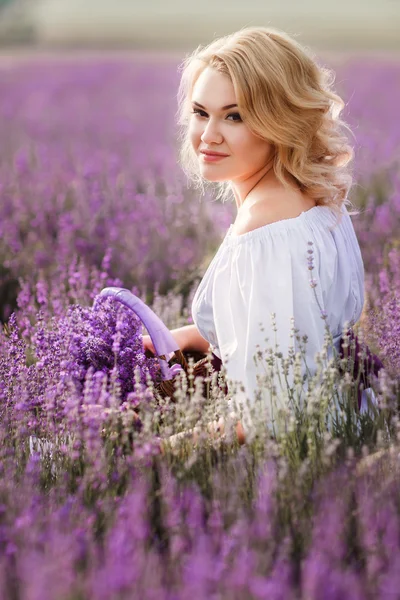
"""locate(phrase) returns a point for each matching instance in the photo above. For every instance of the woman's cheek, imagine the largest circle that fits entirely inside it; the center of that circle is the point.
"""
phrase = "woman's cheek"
(194, 137)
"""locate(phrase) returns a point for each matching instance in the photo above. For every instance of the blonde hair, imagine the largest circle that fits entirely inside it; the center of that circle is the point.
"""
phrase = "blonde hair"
(284, 97)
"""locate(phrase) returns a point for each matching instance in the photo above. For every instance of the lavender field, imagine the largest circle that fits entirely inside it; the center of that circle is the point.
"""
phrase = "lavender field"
(91, 505)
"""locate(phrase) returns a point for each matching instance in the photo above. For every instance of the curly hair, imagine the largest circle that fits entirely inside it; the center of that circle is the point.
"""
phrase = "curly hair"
(285, 97)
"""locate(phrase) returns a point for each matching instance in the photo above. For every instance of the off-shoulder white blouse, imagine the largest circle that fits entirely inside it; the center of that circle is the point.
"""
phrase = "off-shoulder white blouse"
(266, 271)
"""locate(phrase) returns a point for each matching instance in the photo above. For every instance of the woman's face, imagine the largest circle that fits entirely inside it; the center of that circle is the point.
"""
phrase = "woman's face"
(219, 129)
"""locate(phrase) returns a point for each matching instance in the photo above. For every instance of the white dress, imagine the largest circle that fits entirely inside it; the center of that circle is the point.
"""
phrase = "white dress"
(266, 271)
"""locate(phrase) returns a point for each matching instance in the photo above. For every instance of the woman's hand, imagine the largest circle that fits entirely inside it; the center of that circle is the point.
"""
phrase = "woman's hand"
(148, 346)
(179, 336)
(215, 430)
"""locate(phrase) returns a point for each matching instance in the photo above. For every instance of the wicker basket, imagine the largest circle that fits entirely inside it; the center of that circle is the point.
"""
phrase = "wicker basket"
(172, 359)
(170, 356)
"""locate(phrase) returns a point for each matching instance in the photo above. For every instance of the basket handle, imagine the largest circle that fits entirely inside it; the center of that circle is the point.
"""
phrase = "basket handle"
(163, 341)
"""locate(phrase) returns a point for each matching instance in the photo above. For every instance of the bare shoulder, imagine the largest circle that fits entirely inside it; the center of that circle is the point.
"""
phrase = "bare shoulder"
(286, 205)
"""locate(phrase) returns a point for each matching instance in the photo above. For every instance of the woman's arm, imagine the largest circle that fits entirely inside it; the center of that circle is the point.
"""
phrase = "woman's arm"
(189, 339)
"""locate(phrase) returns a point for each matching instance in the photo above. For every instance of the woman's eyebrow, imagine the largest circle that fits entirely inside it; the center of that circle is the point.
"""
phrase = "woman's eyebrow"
(223, 108)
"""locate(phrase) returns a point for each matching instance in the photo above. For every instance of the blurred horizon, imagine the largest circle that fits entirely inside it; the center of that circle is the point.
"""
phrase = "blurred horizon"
(175, 27)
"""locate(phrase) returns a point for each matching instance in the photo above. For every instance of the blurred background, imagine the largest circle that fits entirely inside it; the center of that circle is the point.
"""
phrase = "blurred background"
(355, 25)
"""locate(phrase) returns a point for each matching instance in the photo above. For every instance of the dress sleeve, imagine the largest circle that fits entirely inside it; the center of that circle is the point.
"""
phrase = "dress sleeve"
(262, 274)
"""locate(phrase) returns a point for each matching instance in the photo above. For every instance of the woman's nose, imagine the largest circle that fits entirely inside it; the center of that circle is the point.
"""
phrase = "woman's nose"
(211, 134)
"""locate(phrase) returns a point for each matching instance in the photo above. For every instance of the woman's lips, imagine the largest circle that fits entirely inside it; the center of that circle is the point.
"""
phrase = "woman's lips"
(212, 157)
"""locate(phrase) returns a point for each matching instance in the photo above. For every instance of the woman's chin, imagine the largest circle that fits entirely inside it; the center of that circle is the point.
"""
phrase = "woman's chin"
(212, 177)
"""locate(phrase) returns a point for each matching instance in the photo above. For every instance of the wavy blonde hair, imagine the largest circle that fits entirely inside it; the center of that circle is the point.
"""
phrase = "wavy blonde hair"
(284, 97)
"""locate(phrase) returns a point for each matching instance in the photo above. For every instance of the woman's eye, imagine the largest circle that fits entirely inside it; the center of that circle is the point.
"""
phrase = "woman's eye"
(197, 111)
(235, 115)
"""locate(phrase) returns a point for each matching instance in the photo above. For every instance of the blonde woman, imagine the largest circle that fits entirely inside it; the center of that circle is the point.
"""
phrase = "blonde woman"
(260, 120)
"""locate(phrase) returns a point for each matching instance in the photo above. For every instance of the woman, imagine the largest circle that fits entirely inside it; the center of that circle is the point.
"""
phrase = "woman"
(260, 119)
